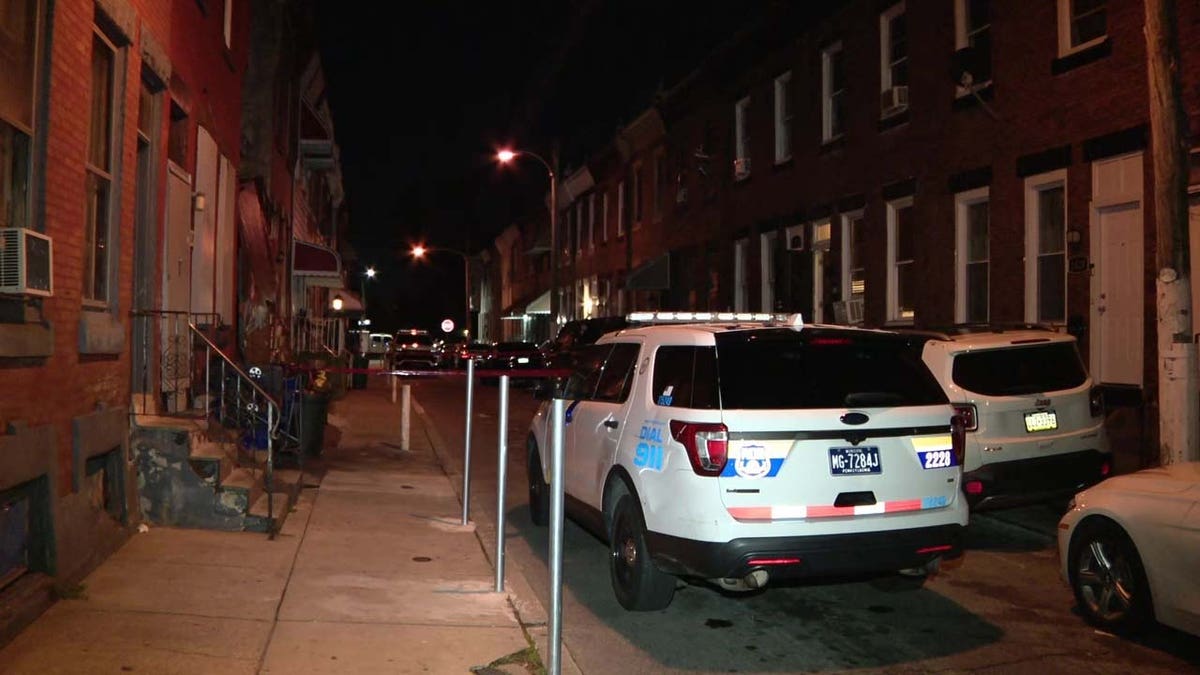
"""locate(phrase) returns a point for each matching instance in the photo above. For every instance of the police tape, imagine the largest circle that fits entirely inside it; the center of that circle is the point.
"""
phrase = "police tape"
(529, 373)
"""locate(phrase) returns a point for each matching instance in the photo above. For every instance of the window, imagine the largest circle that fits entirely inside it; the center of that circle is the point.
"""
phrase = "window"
(586, 365)
(1046, 248)
(18, 56)
(741, 299)
(1020, 371)
(833, 93)
(617, 377)
(741, 138)
(591, 207)
(972, 253)
(686, 377)
(1081, 24)
(621, 209)
(902, 247)
(783, 117)
(854, 274)
(99, 173)
(228, 25)
(579, 227)
(636, 187)
(973, 28)
(604, 217)
(893, 49)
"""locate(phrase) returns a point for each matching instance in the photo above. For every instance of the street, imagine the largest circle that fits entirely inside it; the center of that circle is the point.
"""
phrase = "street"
(1001, 607)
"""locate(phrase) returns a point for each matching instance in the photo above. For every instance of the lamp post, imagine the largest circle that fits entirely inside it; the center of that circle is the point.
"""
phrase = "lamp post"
(369, 274)
(508, 155)
(420, 250)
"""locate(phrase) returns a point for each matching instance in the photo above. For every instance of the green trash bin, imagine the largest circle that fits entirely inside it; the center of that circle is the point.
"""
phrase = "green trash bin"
(314, 413)
(359, 380)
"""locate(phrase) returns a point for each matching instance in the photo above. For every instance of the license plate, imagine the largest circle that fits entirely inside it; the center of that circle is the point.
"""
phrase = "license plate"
(854, 461)
(523, 359)
(1042, 420)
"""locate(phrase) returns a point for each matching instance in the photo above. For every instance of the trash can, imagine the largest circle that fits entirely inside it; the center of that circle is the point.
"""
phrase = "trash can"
(314, 411)
(359, 380)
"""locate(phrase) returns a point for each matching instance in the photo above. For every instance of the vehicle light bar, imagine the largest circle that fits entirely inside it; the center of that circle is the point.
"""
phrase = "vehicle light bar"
(794, 321)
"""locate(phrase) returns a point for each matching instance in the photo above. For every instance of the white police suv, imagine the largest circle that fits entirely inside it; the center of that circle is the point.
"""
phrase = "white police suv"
(740, 448)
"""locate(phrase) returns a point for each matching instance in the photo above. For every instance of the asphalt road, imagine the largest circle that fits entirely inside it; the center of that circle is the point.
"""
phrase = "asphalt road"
(1001, 608)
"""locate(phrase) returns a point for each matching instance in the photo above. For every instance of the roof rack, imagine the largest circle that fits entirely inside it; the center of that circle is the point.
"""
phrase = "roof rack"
(794, 321)
(946, 332)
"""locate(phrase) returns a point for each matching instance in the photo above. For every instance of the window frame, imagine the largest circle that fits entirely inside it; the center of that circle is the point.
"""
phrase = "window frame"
(784, 113)
(1034, 186)
(963, 201)
(96, 249)
(1065, 20)
(886, 64)
(621, 209)
(847, 272)
(741, 135)
(894, 311)
(962, 39)
(828, 133)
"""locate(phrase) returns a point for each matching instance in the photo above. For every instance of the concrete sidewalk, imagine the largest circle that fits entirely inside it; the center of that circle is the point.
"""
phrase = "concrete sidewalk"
(372, 573)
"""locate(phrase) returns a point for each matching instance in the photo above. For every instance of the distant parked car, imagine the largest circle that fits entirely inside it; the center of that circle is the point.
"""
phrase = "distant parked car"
(1130, 549)
(577, 333)
(513, 356)
(462, 352)
(412, 349)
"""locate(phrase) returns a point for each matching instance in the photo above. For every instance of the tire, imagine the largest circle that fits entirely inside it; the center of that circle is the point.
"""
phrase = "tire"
(638, 584)
(1108, 578)
(539, 491)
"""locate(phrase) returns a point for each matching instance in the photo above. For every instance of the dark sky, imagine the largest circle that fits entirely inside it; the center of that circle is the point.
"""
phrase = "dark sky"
(423, 97)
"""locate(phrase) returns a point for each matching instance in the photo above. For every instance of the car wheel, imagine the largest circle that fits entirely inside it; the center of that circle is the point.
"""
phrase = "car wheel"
(539, 491)
(1108, 578)
(638, 584)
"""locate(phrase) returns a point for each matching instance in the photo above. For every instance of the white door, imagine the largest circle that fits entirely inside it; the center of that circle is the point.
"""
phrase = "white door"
(177, 271)
(1118, 317)
(204, 232)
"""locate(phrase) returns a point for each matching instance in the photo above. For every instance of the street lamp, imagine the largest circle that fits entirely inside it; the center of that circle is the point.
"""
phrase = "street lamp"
(506, 156)
(419, 251)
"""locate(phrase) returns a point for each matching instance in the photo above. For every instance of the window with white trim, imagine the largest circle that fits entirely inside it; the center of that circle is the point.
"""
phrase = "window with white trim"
(1046, 248)
(973, 28)
(604, 217)
(1081, 24)
(741, 139)
(591, 239)
(893, 63)
(18, 58)
(901, 255)
(102, 153)
(972, 268)
(833, 92)
(854, 268)
(621, 209)
(783, 117)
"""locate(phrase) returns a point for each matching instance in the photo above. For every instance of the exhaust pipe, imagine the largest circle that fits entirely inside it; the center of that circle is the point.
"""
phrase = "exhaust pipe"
(753, 581)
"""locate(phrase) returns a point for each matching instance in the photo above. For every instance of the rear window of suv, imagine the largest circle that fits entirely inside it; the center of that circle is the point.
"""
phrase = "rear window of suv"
(1016, 371)
(816, 368)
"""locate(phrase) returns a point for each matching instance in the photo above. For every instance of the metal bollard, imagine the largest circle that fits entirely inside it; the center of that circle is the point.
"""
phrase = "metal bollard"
(557, 422)
(467, 442)
(501, 480)
(393, 376)
(405, 418)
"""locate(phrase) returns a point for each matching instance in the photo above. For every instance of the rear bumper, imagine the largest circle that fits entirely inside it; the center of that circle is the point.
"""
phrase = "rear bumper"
(1030, 481)
(820, 555)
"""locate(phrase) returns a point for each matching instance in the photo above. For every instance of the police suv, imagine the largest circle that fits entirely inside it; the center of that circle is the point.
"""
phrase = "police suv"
(740, 448)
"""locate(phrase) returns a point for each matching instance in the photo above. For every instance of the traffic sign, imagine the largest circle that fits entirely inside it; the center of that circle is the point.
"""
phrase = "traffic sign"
(447, 326)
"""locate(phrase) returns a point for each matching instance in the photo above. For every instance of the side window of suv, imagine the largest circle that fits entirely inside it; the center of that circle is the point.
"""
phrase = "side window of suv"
(587, 367)
(617, 378)
(686, 377)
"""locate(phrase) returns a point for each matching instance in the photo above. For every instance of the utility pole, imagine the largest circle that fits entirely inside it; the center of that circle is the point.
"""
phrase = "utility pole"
(1178, 402)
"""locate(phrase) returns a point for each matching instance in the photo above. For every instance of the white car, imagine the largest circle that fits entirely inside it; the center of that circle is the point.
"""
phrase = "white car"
(1130, 549)
(738, 450)
(1035, 421)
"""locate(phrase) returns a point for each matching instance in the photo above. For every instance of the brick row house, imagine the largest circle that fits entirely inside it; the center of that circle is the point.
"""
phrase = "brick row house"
(888, 164)
(127, 213)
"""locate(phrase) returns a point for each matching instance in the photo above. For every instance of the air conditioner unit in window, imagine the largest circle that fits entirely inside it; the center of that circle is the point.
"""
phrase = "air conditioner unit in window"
(26, 262)
(741, 168)
(848, 312)
(894, 100)
(795, 238)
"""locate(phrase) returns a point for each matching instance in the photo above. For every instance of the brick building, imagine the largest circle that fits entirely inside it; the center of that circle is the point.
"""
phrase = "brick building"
(840, 165)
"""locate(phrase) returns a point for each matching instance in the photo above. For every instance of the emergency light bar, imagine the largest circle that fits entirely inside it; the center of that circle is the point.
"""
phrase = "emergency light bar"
(794, 321)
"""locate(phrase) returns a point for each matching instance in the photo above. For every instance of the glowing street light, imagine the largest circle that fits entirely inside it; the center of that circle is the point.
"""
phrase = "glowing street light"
(419, 251)
(506, 156)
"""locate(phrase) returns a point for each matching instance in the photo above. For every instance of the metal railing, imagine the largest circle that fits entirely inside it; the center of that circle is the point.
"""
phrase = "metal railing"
(164, 385)
(319, 334)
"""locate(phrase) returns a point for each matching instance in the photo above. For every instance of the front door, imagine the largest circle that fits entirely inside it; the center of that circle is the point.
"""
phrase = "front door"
(177, 271)
(1118, 259)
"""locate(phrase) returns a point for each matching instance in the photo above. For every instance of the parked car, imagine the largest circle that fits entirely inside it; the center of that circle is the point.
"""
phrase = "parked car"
(412, 349)
(576, 334)
(1130, 550)
(514, 357)
(1035, 420)
(743, 451)
(462, 352)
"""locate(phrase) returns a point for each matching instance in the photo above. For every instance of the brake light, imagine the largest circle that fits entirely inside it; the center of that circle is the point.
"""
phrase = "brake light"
(958, 437)
(974, 487)
(755, 562)
(1096, 401)
(707, 445)
(967, 412)
(1105, 469)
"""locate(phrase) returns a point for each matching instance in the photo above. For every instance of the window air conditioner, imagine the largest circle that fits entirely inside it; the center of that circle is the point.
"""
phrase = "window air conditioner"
(795, 238)
(26, 262)
(894, 100)
(741, 168)
(848, 312)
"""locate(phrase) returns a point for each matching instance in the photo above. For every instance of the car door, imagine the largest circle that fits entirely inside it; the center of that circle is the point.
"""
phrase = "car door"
(598, 422)
(588, 364)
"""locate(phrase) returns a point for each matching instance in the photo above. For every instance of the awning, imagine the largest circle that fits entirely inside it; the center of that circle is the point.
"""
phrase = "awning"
(319, 263)
(653, 275)
(351, 303)
(541, 305)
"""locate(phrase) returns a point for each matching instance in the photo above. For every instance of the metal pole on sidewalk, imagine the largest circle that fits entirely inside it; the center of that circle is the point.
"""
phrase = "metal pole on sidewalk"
(393, 376)
(501, 480)
(557, 415)
(467, 442)
(405, 407)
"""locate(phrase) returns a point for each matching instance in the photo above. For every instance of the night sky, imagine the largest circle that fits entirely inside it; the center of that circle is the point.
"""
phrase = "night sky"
(422, 99)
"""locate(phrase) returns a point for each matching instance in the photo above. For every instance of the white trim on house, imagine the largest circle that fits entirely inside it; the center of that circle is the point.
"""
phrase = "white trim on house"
(848, 218)
(895, 313)
(1034, 186)
(962, 203)
(886, 63)
(963, 38)
(1065, 21)
(783, 117)
(828, 133)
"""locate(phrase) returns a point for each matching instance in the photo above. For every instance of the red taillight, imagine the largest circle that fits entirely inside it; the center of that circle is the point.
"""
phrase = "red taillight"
(974, 487)
(1096, 401)
(707, 445)
(934, 549)
(1105, 469)
(958, 437)
(754, 562)
(967, 412)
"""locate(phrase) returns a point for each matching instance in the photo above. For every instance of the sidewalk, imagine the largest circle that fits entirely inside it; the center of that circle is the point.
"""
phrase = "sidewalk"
(372, 573)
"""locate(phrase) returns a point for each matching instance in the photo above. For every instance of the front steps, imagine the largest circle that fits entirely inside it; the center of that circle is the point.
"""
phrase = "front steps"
(193, 473)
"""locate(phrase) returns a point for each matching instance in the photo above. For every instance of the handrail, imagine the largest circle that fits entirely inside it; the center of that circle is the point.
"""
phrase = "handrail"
(237, 369)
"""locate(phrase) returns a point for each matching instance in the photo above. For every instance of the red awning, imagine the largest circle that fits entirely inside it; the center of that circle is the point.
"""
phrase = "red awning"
(314, 260)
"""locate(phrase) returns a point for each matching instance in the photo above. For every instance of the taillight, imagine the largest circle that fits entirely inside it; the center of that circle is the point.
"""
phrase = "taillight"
(1096, 401)
(958, 437)
(707, 445)
(967, 412)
